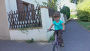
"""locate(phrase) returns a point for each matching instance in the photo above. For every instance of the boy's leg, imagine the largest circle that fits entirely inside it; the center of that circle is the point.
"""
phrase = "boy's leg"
(55, 33)
(60, 40)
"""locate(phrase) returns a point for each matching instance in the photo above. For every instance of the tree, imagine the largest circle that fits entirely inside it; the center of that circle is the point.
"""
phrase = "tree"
(66, 11)
(83, 10)
(76, 1)
(51, 4)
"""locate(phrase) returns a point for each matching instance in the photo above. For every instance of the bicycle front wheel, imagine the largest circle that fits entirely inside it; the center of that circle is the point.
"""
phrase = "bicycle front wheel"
(56, 48)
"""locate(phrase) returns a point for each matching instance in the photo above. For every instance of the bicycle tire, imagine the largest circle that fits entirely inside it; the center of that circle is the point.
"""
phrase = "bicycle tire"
(56, 47)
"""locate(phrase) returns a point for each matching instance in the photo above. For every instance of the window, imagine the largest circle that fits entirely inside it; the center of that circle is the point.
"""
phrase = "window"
(22, 6)
(25, 5)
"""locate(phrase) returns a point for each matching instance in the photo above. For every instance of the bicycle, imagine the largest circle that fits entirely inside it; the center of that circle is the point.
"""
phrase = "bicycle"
(56, 45)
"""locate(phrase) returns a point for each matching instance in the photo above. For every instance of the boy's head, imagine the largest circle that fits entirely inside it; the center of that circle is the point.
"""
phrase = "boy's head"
(56, 16)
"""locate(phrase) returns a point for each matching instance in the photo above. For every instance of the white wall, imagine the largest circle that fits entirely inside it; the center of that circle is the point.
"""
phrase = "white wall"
(4, 30)
(67, 3)
(11, 5)
(37, 34)
(62, 18)
(46, 21)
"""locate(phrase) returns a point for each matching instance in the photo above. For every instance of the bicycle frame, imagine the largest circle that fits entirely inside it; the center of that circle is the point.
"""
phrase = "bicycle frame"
(56, 40)
(56, 44)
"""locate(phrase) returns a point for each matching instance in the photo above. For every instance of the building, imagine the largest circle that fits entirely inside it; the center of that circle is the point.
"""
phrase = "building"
(17, 14)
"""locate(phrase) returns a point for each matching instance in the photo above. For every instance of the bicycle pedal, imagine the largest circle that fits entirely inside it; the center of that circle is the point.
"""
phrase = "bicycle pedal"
(62, 45)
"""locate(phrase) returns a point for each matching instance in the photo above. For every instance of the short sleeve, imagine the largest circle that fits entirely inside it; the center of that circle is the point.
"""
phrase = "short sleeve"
(61, 22)
(53, 22)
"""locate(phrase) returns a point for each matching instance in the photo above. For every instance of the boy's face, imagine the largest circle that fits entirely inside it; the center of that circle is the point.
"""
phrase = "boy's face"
(57, 18)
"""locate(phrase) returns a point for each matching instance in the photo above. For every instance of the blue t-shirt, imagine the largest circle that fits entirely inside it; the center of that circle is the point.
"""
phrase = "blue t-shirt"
(58, 26)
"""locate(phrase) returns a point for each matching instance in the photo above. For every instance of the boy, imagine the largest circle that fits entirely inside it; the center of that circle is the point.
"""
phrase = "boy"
(59, 27)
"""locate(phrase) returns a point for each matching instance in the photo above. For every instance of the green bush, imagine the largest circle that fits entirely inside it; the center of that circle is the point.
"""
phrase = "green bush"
(51, 38)
(77, 1)
(73, 16)
(66, 10)
(83, 10)
(30, 41)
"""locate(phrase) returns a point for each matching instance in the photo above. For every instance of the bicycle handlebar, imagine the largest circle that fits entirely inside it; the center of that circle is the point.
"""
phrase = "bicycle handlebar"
(50, 30)
(54, 30)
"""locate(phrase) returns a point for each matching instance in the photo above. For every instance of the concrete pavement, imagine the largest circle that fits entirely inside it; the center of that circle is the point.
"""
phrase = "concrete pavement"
(76, 38)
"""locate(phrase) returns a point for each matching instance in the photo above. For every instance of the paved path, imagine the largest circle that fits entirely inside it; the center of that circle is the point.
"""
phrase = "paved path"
(76, 38)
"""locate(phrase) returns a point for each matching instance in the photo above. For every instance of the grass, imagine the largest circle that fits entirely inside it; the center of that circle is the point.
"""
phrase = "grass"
(73, 16)
(30, 41)
(51, 38)
(84, 24)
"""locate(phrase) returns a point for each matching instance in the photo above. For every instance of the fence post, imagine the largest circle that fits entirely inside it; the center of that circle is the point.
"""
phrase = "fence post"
(45, 17)
(46, 21)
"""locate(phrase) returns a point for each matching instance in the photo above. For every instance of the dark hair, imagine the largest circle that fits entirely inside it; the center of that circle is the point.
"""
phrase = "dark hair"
(56, 14)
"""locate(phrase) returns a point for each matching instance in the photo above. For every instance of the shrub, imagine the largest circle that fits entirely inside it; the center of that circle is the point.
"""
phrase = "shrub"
(51, 38)
(66, 10)
(77, 1)
(83, 10)
(30, 41)
(73, 16)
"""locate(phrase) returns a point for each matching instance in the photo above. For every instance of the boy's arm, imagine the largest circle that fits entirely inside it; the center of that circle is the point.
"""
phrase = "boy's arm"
(50, 26)
(63, 26)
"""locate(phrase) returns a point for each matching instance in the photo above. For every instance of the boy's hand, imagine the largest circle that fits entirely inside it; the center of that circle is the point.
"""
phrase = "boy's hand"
(63, 26)
(49, 29)
(63, 29)
(50, 26)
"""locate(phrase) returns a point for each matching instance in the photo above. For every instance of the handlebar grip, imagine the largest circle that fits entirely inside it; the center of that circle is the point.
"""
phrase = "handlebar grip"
(50, 30)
